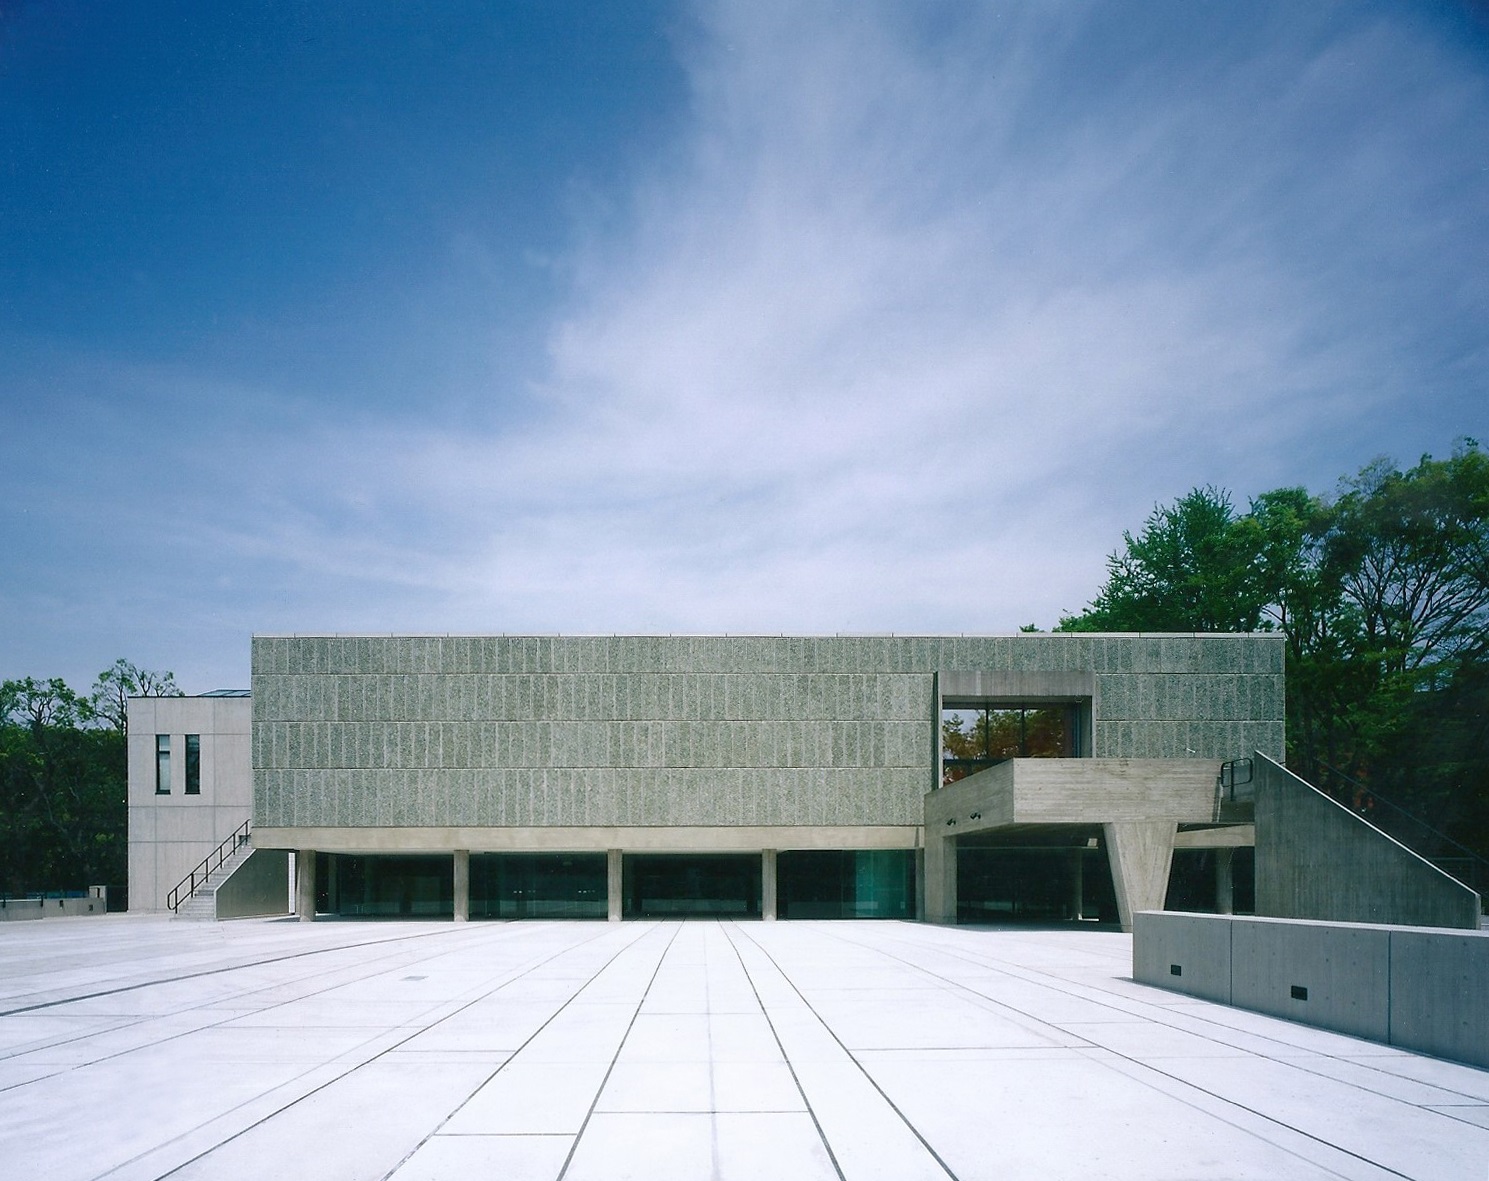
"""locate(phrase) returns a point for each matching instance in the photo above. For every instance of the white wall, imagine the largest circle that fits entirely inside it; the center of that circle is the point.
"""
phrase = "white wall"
(170, 834)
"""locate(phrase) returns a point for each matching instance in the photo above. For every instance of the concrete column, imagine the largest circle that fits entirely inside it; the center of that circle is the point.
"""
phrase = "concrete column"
(462, 885)
(1140, 854)
(1225, 894)
(614, 884)
(1077, 884)
(940, 878)
(305, 885)
(920, 881)
(768, 885)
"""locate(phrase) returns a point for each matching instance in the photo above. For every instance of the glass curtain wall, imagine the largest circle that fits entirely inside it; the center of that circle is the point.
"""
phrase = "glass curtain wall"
(537, 886)
(385, 886)
(682, 885)
(975, 736)
(845, 884)
(1034, 883)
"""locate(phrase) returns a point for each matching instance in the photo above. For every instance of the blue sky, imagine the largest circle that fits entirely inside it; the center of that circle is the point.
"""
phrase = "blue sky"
(698, 317)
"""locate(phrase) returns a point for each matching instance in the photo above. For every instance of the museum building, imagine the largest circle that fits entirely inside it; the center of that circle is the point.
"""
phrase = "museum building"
(1033, 776)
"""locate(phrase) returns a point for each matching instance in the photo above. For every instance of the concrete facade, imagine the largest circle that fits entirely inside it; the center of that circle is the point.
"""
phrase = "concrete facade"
(596, 732)
(1366, 877)
(1417, 988)
(171, 831)
(626, 744)
(260, 886)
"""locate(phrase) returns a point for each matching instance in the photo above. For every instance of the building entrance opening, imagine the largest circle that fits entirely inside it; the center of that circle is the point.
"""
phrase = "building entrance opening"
(681, 885)
(537, 886)
(845, 883)
(382, 886)
(1040, 876)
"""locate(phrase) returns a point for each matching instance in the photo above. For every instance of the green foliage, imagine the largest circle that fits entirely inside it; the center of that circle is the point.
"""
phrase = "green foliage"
(1191, 568)
(64, 779)
(1383, 595)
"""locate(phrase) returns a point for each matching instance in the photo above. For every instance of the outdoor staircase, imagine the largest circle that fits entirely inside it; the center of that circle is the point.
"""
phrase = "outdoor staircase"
(195, 896)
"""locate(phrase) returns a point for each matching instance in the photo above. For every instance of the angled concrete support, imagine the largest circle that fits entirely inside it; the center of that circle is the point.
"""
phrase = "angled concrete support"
(940, 878)
(1140, 854)
(462, 885)
(305, 885)
(1077, 905)
(1225, 886)
(614, 884)
(768, 885)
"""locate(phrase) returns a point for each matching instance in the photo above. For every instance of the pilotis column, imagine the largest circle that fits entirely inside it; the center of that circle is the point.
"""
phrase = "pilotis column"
(940, 878)
(768, 885)
(1140, 854)
(305, 885)
(462, 885)
(1225, 892)
(614, 884)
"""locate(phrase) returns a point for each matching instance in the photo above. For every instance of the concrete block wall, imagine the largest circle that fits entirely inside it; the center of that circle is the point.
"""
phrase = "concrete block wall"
(523, 731)
(1421, 989)
(1315, 859)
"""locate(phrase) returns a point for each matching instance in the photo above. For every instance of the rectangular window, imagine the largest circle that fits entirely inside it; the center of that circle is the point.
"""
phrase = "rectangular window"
(162, 764)
(193, 764)
(977, 734)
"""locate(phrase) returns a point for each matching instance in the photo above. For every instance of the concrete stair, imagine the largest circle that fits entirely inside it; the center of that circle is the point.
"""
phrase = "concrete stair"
(202, 905)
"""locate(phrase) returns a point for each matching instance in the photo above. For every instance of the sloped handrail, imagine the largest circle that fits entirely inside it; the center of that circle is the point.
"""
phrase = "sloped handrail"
(1366, 797)
(211, 862)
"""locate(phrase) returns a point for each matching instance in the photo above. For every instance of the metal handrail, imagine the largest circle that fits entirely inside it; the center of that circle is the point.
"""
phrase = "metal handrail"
(1397, 808)
(1225, 791)
(210, 863)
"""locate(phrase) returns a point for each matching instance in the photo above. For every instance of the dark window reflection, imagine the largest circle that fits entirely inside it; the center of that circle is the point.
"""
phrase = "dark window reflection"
(974, 738)
(537, 886)
(845, 884)
(672, 885)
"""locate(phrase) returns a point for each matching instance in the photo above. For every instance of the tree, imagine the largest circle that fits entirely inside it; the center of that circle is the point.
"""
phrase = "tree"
(1193, 567)
(64, 779)
(123, 680)
(1383, 595)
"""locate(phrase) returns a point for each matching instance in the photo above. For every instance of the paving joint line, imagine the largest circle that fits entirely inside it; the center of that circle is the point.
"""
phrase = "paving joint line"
(873, 1082)
(1083, 992)
(785, 1057)
(1142, 1066)
(527, 1041)
(609, 1070)
(329, 1082)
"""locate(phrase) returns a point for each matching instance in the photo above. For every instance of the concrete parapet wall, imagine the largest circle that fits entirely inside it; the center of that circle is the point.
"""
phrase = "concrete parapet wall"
(1315, 859)
(1417, 988)
(20, 909)
(259, 886)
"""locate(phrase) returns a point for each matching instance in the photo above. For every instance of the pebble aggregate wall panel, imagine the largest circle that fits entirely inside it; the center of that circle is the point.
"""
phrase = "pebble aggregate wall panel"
(696, 730)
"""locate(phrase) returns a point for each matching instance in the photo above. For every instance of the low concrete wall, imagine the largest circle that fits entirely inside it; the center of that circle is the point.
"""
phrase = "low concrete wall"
(16, 909)
(1418, 988)
(259, 886)
(1315, 859)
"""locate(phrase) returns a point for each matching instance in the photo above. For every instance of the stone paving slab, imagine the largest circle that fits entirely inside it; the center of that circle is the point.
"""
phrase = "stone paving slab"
(135, 1047)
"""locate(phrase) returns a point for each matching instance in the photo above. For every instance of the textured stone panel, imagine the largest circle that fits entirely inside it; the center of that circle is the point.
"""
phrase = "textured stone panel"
(753, 729)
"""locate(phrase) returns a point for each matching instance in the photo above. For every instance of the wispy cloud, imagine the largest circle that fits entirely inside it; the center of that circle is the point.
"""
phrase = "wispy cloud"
(910, 321)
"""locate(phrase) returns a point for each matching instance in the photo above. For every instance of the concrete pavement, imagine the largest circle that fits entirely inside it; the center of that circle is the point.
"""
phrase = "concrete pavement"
(135, 1047)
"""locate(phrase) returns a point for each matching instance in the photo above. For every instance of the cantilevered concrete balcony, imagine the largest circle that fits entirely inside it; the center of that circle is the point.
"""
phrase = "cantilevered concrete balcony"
(1139, 804)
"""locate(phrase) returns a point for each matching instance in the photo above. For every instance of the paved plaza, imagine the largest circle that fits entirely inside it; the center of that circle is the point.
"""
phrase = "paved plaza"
(134, 1047)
